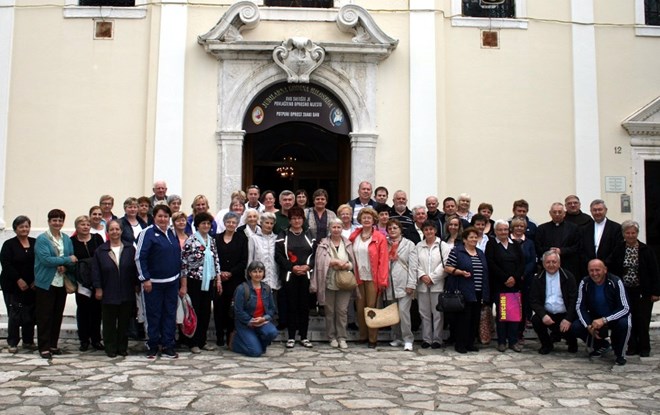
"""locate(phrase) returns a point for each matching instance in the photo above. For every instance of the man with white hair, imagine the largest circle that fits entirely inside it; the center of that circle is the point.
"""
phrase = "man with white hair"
(553, 296)
(415, 232)
(600, 237)
(160, 193)
(400, 210)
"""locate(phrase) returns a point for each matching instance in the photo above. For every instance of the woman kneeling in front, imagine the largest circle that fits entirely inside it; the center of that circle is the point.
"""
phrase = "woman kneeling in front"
(254, 309)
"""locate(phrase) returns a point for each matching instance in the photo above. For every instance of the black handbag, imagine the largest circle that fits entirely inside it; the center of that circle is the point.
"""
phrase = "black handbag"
(83, 272)
(22, 314)
(450, 302)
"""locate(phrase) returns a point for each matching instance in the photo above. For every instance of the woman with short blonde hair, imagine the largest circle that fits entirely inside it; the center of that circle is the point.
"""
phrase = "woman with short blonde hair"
(372, 268)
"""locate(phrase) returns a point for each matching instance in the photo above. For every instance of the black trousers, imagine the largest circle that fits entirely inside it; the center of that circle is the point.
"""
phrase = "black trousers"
(546, 333)
(115, 326)
(221, 304)
(88, 317)
(21, 317)
(50, 307)
(201, 302)
(466, 324)
(641, 308)
(297, 295)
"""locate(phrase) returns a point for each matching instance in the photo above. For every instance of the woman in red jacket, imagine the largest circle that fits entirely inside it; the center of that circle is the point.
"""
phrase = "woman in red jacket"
(372, 270)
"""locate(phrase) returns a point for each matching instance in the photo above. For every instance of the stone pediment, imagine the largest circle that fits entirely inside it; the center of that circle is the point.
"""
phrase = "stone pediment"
(369, 43)
(645, 121)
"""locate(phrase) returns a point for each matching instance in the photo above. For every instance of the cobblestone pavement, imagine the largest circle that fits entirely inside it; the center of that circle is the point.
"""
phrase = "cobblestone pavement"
(324, 380)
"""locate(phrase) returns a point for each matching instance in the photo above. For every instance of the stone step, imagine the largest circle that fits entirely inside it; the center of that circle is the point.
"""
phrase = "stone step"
(316, 326)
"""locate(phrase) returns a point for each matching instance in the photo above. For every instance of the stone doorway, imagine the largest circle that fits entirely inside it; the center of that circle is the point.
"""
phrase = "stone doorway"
(346, 68)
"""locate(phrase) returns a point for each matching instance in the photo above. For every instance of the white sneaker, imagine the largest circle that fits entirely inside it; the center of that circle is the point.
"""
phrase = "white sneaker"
(195, 350)
(342, 344)
(408, 347)
(333, 343)
(396, 343)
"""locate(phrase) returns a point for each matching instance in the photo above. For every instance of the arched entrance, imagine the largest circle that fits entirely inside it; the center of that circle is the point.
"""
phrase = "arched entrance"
(346, 68)
(297, 138)
(322, 160)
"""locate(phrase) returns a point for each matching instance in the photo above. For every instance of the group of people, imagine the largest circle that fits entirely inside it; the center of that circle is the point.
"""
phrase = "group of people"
(258, 269)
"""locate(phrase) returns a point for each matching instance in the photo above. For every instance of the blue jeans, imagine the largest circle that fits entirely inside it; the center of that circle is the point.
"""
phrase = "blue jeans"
(253, 341)
(160, 305)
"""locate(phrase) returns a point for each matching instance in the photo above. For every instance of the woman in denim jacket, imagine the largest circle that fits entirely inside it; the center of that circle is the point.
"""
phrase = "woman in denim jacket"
(253, 314)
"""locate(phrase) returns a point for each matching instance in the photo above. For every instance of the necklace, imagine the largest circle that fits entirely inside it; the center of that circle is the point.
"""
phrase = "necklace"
(365, 237)
(296, 233)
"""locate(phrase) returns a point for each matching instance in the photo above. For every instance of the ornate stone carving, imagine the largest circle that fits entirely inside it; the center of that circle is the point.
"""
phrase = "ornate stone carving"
(644, 122)
(299, 57)
(240, 16)
(355, 19)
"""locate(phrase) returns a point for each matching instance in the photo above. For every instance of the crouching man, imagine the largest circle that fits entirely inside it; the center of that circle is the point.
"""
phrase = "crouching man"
(602, 310)
(553, 296)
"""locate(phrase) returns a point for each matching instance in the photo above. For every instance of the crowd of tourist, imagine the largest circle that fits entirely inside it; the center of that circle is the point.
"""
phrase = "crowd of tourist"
(258, 270)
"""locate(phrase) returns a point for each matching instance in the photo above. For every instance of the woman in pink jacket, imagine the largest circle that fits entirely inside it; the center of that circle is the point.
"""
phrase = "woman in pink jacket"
(334, 253)
(372, 268)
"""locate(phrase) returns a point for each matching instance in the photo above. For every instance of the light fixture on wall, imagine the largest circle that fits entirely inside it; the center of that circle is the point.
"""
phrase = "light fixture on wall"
(489, 4)
(287, 171)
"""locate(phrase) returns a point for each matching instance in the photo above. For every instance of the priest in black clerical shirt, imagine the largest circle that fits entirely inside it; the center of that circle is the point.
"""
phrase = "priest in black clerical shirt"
(561, 237)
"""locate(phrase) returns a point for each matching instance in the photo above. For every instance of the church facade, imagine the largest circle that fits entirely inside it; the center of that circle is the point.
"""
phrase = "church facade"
(529, 99)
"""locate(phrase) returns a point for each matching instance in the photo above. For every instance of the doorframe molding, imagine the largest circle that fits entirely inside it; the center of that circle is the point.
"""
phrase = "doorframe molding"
(245, 68)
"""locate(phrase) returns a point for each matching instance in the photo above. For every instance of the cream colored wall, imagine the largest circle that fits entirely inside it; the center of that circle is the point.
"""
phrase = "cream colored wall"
(393, 121)
(86, 108)
(628, 79)
(509, 114)
(200, 174)
(77, 114)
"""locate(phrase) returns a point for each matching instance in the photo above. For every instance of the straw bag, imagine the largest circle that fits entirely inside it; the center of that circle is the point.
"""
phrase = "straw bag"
(383, 317)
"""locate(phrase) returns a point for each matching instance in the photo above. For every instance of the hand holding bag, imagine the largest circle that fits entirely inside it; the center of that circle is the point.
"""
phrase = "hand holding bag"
(345, 280)
(69, 285)
(189, 323)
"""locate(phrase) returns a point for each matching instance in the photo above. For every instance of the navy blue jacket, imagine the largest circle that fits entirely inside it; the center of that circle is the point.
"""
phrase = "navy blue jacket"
(158, 255)
(615, 295)
(117, 282)
(466, 285)
(127, 235)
